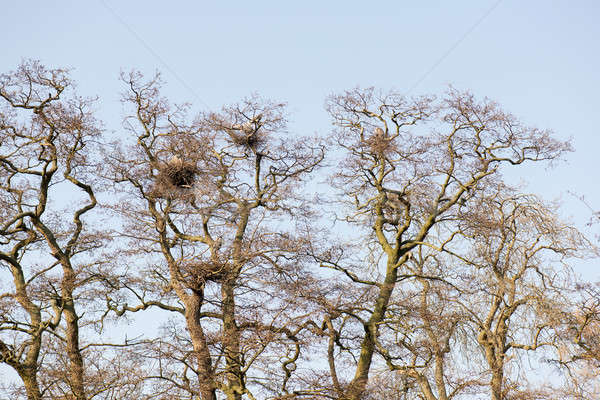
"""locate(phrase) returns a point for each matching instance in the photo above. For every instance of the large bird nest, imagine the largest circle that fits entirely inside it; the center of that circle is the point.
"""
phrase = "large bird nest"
(175, 178)
(249, 134)
(379, 143)
(251, 140)
(200, 272)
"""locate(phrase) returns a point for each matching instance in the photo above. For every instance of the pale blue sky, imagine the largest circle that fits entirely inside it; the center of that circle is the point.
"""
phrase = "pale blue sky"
(539, 59)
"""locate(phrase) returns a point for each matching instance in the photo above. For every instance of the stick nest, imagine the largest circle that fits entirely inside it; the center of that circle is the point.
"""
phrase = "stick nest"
(249, 134)
(175, 178)
(199, 272)
(379, 143)
(251, 140)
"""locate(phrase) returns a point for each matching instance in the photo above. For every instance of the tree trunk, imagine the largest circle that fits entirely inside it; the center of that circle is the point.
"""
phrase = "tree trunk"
(231, 344)
(496, 384)
(29, 378)
(206, 382)
(357, 386)
(28, 369)
(73, 352)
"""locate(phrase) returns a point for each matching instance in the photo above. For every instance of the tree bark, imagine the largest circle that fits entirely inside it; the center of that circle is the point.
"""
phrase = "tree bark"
(231, 344)
(75, 359)
(29, 378)
(193, 304)
(357, 386)
(231, 334)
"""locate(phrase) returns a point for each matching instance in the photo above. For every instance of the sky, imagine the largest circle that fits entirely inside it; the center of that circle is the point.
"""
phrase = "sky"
(539, 59)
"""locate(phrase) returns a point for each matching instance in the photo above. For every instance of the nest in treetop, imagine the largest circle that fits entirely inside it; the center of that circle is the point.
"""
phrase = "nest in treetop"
(379, 143)
(251, 140)
(199, 272)
(174, 178)
(248, 134)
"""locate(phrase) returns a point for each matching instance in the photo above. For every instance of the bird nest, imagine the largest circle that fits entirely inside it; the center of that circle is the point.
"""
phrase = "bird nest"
(251, 140)
(175, 178)
(199, 272)
(250, 134)
(379, 143)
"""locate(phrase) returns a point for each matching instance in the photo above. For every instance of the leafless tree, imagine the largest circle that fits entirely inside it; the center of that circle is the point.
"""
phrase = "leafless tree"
(49, 245)
(215, 200)
(410, 166)
(438, 280)
(520, 253)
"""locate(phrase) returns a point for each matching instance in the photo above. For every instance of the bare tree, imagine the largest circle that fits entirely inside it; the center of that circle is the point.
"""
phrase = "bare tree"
(50, 242)
(410, 166)
(42, 139)
(520, 251)
(214, 200)
(438, 281)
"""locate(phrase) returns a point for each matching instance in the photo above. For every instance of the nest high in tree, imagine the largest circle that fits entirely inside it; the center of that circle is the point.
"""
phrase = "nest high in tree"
(248, 134)
(379, 143)
(175, 178)
(199, 272)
